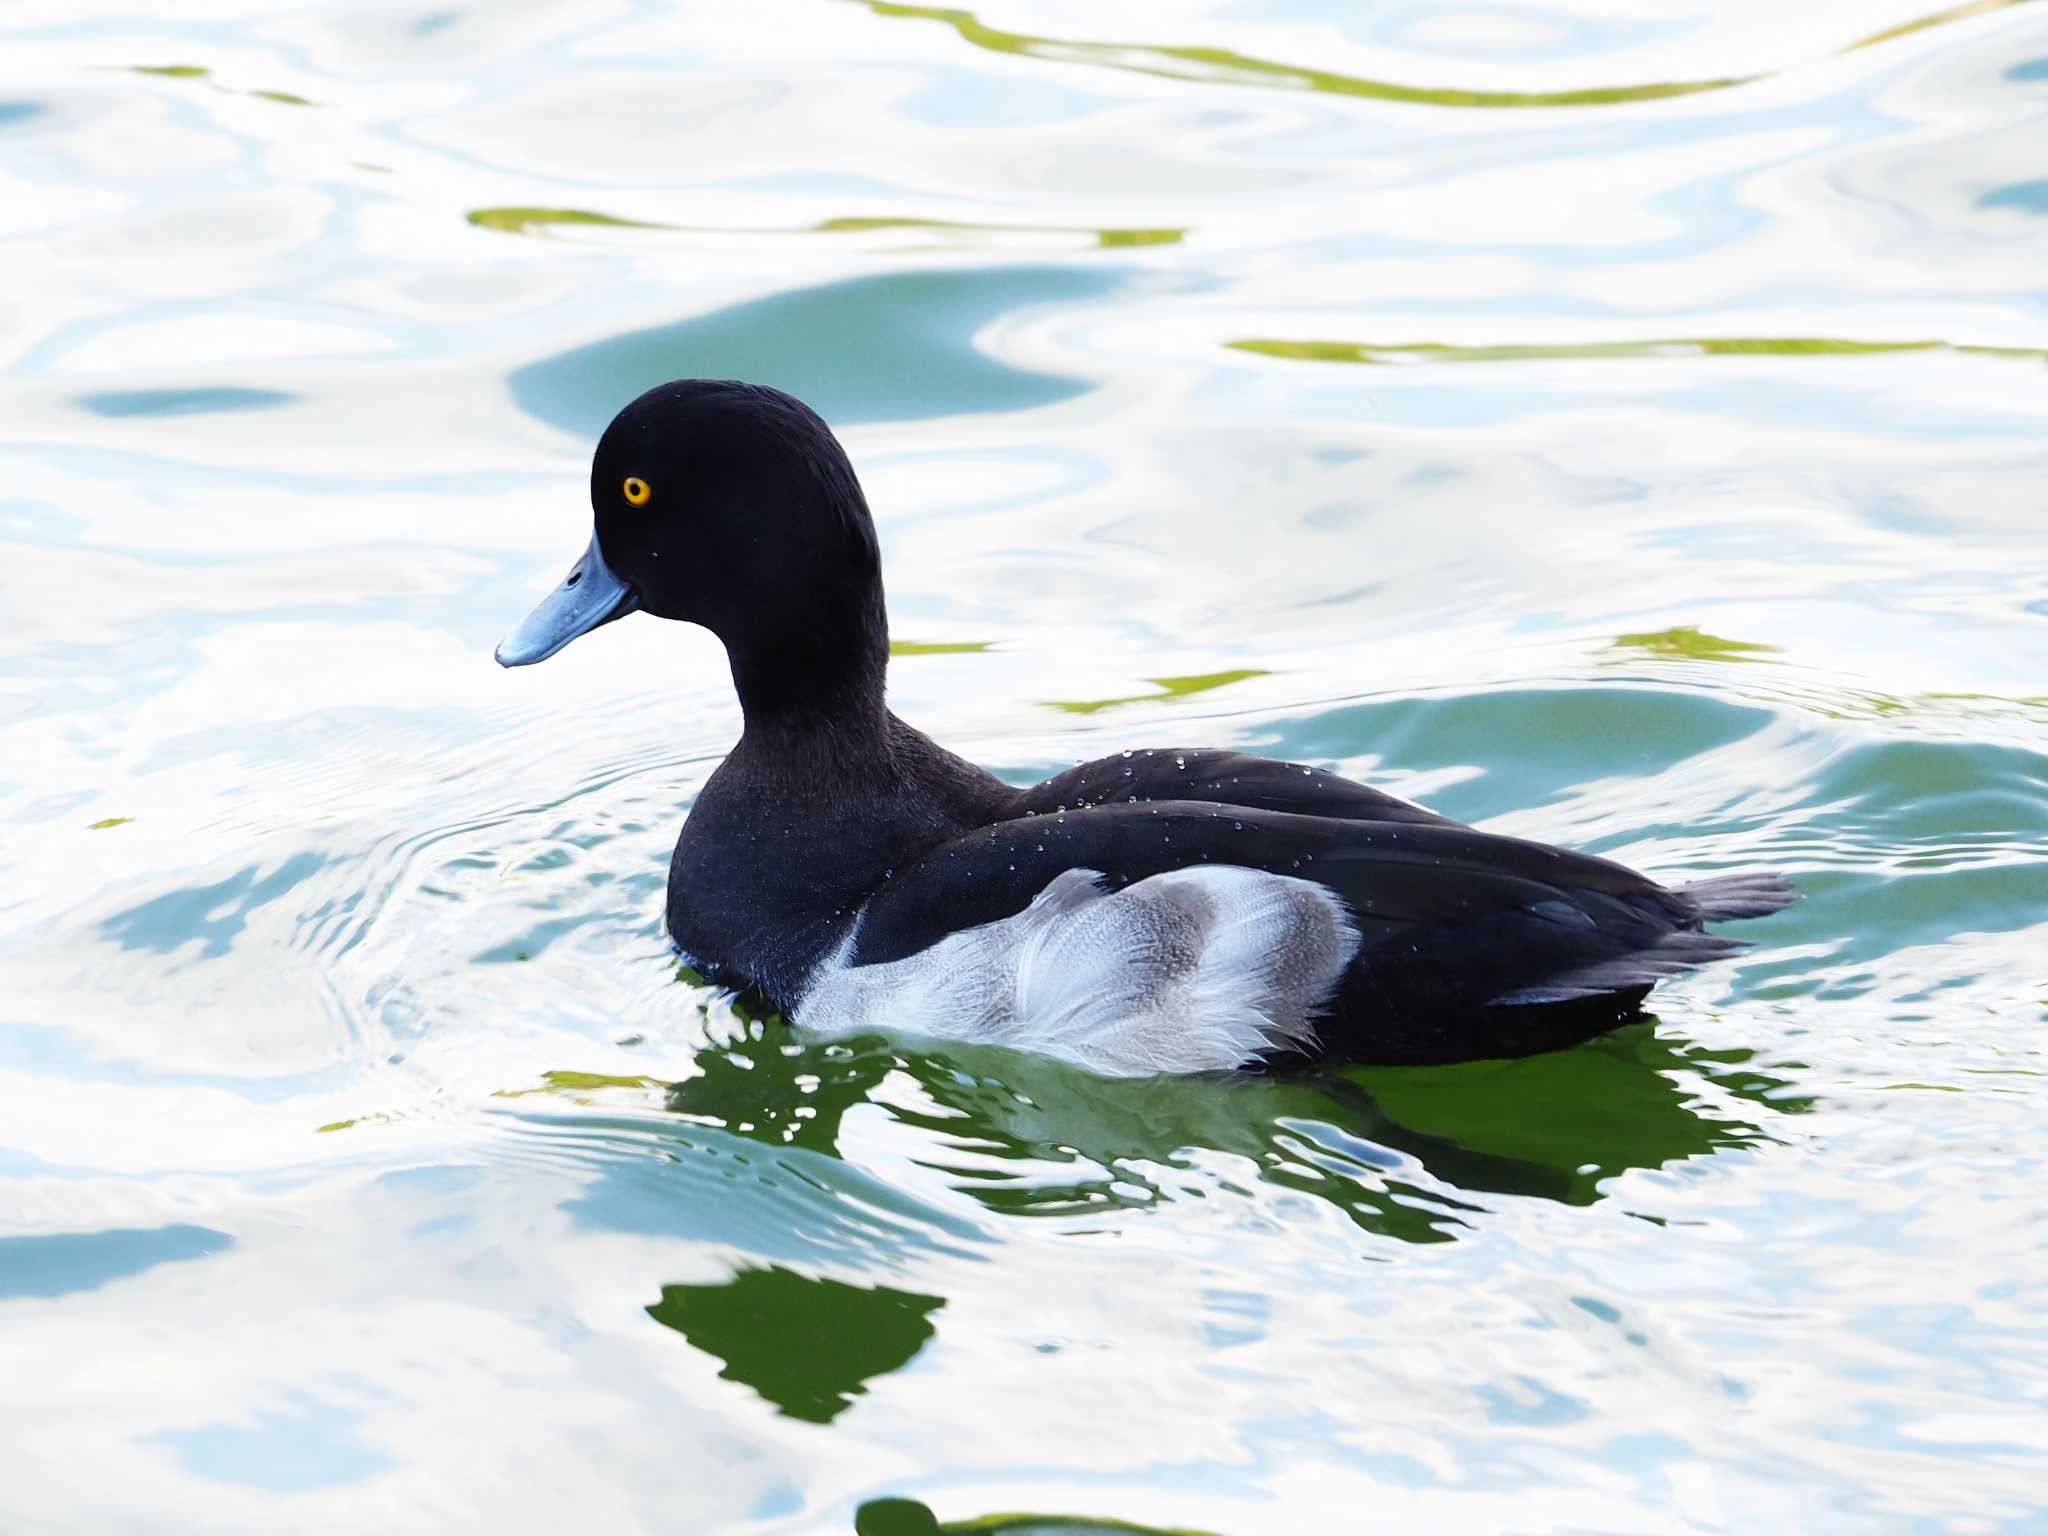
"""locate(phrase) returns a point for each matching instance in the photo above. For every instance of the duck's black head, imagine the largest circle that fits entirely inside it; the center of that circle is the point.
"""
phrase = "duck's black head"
(731, 506)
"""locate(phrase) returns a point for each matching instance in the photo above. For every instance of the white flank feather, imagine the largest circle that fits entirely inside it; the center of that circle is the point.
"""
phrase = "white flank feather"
(1191, 971)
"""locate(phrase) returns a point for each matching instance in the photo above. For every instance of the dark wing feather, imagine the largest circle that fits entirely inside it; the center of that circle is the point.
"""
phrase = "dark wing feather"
(1211, 776)
(1396, 879)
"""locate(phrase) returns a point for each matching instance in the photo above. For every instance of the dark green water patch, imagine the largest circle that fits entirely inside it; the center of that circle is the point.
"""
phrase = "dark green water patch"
(893, 348)
(787, 1095)
(1583, 1115)
(809, 1346)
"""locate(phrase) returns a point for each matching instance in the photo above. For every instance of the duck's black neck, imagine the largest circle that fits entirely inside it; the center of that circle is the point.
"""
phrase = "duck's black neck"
(814, 682)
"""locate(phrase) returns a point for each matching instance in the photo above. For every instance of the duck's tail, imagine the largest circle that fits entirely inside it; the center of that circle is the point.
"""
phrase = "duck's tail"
(1728, 898)
(1672, 952)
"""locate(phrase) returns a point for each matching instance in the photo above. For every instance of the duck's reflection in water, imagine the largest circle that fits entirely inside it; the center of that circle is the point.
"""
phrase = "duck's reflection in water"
(1408, 1153)
(809, 1346)
(1417, 1155)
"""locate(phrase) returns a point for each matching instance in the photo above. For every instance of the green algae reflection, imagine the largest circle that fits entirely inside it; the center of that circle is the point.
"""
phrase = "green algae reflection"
(939, 647)
(577, 1082)
(1225, 66)
(1108, 239)
(537, 221)
(527, 221)
(1689, 643)
(1937, 19)
(201, 72)
(1689, 346)
(1168, 688)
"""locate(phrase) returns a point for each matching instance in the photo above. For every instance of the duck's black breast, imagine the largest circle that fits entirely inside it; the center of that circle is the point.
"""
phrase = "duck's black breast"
(789, 839)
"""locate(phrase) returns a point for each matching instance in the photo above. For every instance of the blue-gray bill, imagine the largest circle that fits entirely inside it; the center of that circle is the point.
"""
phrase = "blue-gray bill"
(589, 595)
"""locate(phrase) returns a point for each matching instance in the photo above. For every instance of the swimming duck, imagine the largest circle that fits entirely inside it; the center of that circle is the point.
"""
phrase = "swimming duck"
(1163, 910)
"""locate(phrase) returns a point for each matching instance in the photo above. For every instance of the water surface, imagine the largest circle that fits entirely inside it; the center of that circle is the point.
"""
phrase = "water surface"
(1615, 426)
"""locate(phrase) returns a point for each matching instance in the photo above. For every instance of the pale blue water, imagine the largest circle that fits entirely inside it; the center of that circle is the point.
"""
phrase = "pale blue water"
(1437, 393)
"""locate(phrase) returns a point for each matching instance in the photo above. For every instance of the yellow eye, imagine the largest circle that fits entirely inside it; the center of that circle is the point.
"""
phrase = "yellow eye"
(638, 491)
